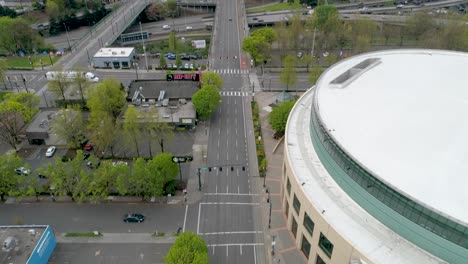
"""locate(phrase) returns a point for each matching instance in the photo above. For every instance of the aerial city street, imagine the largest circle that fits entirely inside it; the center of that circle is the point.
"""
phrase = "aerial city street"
(245, 131)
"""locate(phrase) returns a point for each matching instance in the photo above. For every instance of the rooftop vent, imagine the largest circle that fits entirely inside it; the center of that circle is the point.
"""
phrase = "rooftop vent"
(350, 75)
(122, 52)
(9, 244)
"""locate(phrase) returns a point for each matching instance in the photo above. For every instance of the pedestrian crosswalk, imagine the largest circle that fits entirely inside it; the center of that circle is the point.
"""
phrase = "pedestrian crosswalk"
(228, 93)
(231, 71)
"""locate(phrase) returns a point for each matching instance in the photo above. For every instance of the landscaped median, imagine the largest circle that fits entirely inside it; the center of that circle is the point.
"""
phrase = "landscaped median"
(88, 234)
(24, 63)
(261, 159)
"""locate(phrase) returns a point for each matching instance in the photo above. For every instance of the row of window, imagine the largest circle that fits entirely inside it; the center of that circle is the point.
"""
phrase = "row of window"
(324, 243)
(404, 206)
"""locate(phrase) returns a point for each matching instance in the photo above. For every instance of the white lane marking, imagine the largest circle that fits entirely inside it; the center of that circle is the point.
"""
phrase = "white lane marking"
(227, 203)
(227, 188)
(213, 249)
(237, 155)
(255, 255)
(185, 217)
(42, 77)
(227, 251)
(238, 189)
(216, 188)
(235, 194)
(241, 249)
(198, 224)
(237, 244)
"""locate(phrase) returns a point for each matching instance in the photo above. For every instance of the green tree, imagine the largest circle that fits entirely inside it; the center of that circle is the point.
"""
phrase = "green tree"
(131, 127)
(283, 38)
(15, 110)
(288, 75)
(315, 73)
(188, 249)
(172, 9)
(206, 100)
(256, 46)
(59, 85)
(104, 179)
(8, 177)
(172, 41)
(162, 61)
(211, 78)
(296, 31)
(156, 11)
(361, 34)
(108, 96)
(178, 61)
(81, 85)
(139, 182)
(324, 17)
(18, 35)
(69, 126)
(156, 131)
(3, 69)
(69, 178)
(163, 167)
(279, 116)
(308, 60)
(267, 33)
(420, 24)
(29, 185)
(103, 131)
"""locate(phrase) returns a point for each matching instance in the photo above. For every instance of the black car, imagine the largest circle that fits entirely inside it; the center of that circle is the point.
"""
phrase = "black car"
(133, 218)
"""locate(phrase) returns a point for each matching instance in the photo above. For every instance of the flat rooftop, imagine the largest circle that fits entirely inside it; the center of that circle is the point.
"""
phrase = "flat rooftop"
(26, 236)
(372, 238)
(402, 115)
(113, 52)
(42, 121)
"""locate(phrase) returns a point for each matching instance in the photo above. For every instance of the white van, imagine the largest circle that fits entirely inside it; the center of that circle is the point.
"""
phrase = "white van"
(71, 76)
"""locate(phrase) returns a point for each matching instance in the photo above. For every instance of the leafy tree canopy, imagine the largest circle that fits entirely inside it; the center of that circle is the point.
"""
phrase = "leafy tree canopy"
(188, 249)
(279, 116)
(211, 78)
(108, 96)
(206, 100)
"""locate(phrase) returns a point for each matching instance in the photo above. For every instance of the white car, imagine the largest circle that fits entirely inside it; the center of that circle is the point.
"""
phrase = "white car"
(22, 170)
(50, 151)
(400, 6)
(188, 28)
(116, 163)
(166, 27)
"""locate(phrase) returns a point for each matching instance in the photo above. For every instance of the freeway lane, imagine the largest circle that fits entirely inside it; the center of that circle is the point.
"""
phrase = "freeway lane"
(229, 212)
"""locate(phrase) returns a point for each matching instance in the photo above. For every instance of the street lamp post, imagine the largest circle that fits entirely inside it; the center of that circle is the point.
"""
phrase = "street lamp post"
(68, 38)
(144, 47)
(136, 69)
(42, 65)
(50, 58)
(31, 63)
(199, 179)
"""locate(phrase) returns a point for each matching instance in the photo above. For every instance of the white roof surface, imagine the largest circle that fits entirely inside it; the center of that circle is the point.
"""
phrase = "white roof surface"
(365, 233)
(113, 52)
(405, 120)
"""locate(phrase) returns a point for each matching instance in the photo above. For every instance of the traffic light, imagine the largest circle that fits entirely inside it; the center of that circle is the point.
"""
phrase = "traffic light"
(243, 168)
(232, 168)
(209, 169)
(220, 168)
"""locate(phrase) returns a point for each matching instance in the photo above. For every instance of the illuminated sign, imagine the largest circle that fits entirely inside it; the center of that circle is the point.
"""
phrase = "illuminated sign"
(183, 77)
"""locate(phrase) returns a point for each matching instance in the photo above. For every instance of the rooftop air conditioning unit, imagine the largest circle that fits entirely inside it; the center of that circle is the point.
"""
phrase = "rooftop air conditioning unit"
(9, 244)
(122, 52)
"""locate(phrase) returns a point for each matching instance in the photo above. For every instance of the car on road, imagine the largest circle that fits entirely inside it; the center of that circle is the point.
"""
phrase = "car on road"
(22, 170)
(50, 151)
(299, 55)
(193, 57)
(260, 20)
(188, 28)
(255, 18)
(166, 27)
(133, 218)
(116, 163)
(88, 147)
(400, 6)
(285, 19)
(230, 19)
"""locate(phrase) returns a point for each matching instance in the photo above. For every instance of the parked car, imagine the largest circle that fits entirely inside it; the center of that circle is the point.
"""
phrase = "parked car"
(191, 66)
(166, 27)
(88, 147)
(187, 66)
(171, 57)
(93, 166)
(50, 151)
(400, 6)
(22, 170)
(299, 55)
(193, 56)
(188, 28)
(116, 163)
(255, 18)
(260, 20)
(41, 176)
(133, 218)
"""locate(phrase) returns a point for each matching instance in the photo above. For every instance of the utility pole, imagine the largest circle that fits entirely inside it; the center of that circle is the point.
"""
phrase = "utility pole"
(199, 179)
(68, 38)
(313, 43)
(144, 47)
(24, 82)
(136, 69)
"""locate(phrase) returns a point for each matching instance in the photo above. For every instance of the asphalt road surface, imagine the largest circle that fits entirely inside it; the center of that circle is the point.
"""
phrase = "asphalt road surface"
(227, 213)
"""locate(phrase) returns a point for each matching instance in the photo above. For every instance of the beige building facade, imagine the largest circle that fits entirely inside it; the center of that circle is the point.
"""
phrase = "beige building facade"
(343, 204)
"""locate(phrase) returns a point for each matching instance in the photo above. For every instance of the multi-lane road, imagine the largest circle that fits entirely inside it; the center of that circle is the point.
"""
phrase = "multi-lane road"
(229, 213)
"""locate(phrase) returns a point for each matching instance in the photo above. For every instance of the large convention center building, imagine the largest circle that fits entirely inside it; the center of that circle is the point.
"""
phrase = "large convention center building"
(376, 161)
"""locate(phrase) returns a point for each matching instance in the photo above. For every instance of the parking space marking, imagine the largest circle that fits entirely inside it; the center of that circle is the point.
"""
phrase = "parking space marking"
(185, 217)
(231, 233)
(234, 194)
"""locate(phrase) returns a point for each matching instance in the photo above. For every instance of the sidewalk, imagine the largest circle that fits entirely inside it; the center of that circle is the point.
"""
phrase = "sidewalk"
(118, 238)
(285, 250)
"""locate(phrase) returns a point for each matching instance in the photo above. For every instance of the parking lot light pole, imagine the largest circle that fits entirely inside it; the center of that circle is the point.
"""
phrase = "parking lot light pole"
(136, 69)
(199, 179)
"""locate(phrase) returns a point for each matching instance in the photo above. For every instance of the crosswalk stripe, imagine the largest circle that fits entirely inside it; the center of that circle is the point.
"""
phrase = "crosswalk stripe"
(231, 71)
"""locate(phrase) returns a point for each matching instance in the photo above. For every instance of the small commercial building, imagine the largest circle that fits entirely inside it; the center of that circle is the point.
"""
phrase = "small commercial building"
(114, 58)
(172, 99)
(30, 244)
(38, 131)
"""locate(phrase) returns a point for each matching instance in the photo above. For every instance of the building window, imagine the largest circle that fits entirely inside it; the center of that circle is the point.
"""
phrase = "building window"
(294, 226)
(296, 205)
(308, 224)
(305, 247)
(287, 208)
(125, 64)
(288, 186)
(325, 245)
(319, 260)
